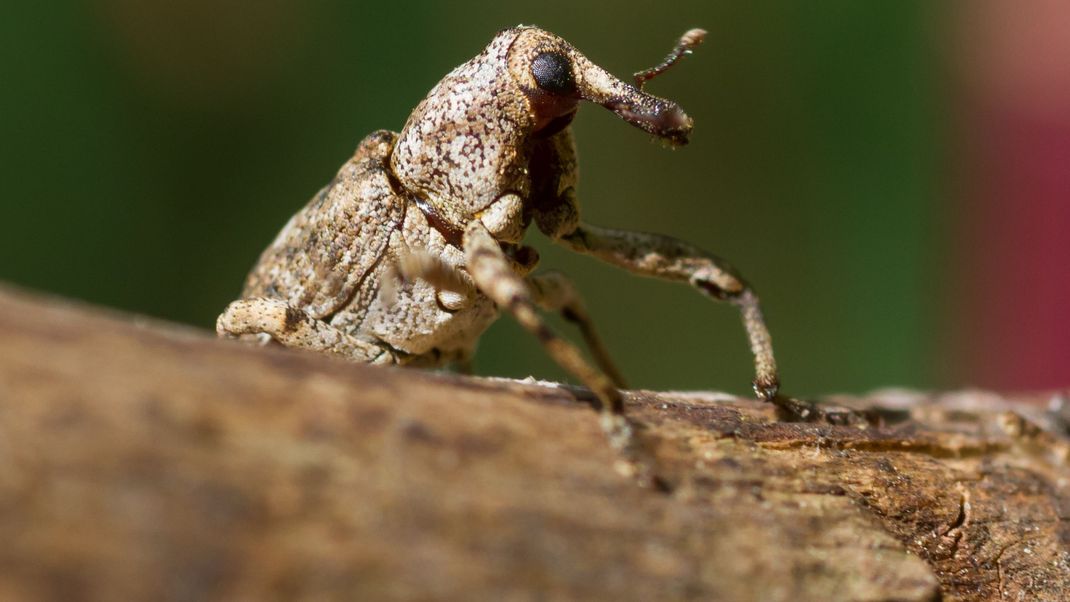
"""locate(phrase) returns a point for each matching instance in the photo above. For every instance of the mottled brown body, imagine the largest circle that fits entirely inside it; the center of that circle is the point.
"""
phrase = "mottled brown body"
(407, 256)
(329, 262)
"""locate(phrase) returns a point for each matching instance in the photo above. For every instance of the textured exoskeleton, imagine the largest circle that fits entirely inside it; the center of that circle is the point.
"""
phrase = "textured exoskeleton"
(407, 256)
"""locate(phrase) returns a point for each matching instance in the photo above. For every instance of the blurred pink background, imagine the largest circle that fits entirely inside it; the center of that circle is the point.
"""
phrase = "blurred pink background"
(1013, 172)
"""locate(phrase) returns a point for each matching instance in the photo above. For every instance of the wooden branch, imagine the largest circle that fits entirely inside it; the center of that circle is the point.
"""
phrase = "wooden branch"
(142, 461)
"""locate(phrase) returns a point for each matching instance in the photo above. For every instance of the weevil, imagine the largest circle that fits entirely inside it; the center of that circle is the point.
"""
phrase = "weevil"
(414, 247)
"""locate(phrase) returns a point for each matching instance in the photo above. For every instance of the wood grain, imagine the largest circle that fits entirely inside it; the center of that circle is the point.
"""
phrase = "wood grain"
(145, 461)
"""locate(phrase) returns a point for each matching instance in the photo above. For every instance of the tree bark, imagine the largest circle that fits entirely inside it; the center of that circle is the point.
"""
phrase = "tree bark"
(145, 461)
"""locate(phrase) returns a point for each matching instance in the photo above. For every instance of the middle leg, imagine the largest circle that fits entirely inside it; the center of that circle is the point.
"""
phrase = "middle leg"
(454, 288)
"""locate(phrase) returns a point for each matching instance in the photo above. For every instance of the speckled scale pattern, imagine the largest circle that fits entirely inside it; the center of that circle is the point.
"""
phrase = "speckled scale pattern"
(328, 249)
(415, 322)
(463, 145)
(485, 154)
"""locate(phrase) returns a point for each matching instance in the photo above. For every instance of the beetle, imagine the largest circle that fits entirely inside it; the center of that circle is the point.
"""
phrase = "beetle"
(414, 247)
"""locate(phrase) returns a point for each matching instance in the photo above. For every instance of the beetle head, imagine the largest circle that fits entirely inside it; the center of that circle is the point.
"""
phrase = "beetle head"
(555, 77)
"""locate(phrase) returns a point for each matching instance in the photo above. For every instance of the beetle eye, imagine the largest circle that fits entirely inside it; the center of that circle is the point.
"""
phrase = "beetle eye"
(553, 72)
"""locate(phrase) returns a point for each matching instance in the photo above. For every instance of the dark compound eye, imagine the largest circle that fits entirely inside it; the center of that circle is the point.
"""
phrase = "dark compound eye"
(553, 72)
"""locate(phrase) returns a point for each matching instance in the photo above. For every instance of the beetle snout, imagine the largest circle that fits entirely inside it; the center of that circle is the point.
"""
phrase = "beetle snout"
(658, 116)
(665, 119)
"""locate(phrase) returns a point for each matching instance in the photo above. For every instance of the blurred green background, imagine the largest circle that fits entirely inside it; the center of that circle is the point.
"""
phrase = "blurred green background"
(153, 149)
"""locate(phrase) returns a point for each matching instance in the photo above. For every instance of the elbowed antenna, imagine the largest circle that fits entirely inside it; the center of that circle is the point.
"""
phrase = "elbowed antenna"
(658, 116)
(685, 46)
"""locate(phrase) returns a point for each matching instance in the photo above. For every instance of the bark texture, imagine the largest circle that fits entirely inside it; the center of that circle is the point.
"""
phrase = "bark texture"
(143, 461)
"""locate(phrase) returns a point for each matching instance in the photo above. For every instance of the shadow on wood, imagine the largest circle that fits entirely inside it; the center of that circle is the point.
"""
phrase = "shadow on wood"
(140, 460)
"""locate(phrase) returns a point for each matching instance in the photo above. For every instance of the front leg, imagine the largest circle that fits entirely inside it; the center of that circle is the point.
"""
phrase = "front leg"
(494, 275)
(671, 259)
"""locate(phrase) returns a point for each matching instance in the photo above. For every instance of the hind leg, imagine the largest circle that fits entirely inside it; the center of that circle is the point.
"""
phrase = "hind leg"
(294, 328)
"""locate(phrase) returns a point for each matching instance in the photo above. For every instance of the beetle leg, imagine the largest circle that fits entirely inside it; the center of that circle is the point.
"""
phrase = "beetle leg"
(494, 275)
(454, 288)
(295, 328)
(671, 259)
(443, 276)
(554, 292)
